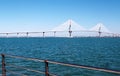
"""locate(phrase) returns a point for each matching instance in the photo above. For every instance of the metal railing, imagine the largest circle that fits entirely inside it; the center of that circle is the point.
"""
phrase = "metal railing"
(46, 62)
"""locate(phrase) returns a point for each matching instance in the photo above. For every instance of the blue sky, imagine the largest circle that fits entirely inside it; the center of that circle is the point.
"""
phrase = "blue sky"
(39, 15)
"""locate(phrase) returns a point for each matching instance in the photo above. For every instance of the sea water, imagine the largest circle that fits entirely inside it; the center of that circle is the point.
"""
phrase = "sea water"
(90, 51)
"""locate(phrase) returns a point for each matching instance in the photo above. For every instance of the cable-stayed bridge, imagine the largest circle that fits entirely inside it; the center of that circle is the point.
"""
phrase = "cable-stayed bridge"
(68, 29)
(60, 34)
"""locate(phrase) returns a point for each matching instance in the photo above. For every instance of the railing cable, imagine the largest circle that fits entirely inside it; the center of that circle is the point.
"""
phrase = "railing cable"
(21, 67)
(16, 73)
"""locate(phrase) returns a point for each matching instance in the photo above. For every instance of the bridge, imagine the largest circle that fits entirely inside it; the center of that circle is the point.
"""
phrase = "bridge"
(60, 34)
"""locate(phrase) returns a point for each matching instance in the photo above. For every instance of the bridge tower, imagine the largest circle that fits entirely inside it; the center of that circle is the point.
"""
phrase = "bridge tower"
(70, 31)
(54, 33)
(99, 31)
(43, 34)
(27, 33)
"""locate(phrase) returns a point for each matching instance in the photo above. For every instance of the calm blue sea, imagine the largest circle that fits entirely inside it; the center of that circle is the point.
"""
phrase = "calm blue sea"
(97, 52)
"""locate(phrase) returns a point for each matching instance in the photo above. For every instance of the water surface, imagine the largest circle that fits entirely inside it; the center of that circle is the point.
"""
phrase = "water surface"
(98, 52)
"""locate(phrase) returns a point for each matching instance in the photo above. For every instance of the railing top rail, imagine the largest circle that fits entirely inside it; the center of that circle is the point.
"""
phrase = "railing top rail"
(20, 57)
(86, 67)
(70, 65)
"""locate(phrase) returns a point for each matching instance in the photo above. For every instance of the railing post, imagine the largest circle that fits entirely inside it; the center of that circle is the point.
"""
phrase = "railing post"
(46, 68)
(3, 65)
